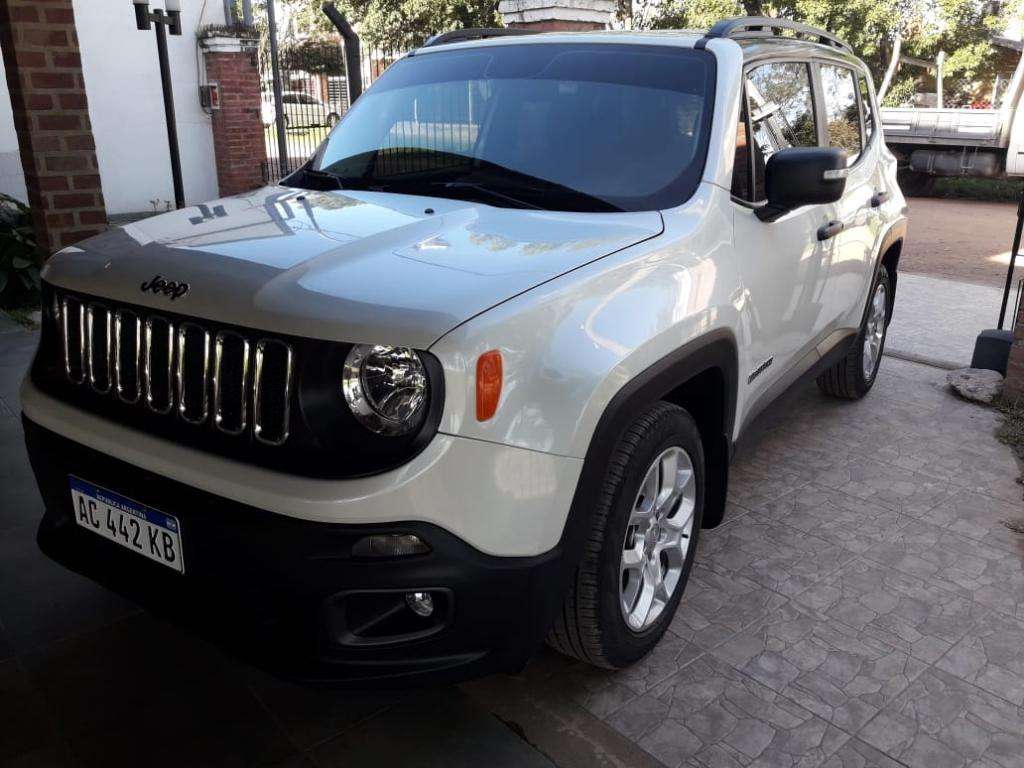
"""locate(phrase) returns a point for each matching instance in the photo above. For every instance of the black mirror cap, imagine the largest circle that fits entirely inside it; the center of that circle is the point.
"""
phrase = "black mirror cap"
(801, 176)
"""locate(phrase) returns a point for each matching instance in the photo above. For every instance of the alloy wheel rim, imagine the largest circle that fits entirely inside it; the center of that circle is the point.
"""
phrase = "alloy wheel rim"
(874, 333)
(658, 538)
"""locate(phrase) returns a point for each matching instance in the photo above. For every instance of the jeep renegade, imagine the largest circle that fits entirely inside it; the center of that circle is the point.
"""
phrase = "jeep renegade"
(471, 377)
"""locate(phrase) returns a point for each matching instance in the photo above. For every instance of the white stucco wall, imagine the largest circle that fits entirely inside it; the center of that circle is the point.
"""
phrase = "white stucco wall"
(12, 179)
(122, 80)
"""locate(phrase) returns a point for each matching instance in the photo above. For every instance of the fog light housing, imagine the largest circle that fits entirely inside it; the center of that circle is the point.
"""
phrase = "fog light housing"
(420, 603)
(390, 545)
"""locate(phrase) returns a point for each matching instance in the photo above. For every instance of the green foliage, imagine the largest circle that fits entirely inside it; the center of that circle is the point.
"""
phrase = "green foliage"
(961, 28)
(19, 270)
(394, 25)
(318, 57)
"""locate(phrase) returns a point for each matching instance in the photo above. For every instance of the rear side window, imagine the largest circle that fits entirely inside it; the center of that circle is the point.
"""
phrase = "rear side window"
(842, 111)
(865, 109)
(780, 106)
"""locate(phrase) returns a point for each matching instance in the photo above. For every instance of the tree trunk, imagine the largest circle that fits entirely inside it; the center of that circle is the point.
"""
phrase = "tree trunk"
(753, 8)
(894, 64)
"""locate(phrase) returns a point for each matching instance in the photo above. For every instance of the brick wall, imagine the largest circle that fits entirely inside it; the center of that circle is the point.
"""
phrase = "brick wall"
(51, 117)
(1013, 387)
(238, 140)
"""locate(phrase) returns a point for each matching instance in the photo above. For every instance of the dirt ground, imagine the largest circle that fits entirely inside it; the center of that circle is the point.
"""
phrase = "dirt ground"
(960, 240)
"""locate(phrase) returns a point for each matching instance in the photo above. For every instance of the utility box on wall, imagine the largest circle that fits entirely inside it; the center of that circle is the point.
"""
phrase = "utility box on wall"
(209, 96)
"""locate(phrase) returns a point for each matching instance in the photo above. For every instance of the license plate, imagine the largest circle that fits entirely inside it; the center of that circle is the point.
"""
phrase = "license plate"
(142, 529)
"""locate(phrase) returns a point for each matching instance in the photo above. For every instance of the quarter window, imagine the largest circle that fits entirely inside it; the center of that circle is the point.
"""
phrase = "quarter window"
(865, 109)
(781, 111)
(841, 110)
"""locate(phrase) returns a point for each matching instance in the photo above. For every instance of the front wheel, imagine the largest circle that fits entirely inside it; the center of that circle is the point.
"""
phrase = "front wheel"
(332, 119)
(852, 377)
(641, 545)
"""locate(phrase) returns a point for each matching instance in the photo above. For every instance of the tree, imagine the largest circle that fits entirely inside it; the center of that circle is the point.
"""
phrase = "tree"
(394, 25)
(877, 30)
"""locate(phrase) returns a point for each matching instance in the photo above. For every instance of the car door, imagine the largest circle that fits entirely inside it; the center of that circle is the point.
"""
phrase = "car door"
(783, 264)
(850, 264)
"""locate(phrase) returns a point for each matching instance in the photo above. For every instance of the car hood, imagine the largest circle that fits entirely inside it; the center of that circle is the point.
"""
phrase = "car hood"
(367, 267)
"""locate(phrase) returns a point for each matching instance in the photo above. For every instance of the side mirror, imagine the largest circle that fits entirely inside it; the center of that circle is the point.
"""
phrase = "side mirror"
(801, 176)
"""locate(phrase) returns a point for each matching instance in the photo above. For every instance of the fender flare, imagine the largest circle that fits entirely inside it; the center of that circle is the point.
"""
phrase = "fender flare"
(715, 350)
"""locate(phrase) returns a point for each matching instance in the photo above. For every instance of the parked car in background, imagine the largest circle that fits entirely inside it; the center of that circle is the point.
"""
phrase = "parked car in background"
(301, 110)
(473, 376)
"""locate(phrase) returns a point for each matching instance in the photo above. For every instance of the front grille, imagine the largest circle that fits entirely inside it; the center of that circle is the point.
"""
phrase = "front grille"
(178, 368)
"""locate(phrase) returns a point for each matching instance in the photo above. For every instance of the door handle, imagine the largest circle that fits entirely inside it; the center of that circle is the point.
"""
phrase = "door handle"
(830, 230)
(878, 198)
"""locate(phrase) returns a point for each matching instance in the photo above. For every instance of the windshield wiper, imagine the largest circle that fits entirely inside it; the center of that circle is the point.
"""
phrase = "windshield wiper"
(486, 190)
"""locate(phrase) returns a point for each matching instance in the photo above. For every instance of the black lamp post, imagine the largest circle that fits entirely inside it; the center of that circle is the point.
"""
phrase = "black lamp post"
(167, 20)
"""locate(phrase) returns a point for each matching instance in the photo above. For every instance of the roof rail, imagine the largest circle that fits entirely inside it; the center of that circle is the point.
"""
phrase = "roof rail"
(474, 33)
(745, 27)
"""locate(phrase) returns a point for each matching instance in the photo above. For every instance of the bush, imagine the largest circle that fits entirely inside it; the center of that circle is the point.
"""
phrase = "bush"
(19, 270)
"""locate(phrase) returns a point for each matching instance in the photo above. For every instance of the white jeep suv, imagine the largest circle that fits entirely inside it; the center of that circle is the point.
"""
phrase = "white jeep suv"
(472, 377)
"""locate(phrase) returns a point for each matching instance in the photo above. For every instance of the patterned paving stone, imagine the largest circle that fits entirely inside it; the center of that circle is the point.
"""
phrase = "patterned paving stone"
(907, 613)
(981, 465)
(602, 691)
(715, 607)
(991, 656)
(856, 754)
(882, 483)
(991, 576)
(981, 517)
(843, 675)
(941, 721)
(711, 715)
(754, 482)
(832, 515)
(771, 554)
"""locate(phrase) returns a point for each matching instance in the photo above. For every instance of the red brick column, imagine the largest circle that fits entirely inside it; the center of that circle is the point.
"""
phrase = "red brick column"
(238, 141)
(51, 117)
(1013, 387)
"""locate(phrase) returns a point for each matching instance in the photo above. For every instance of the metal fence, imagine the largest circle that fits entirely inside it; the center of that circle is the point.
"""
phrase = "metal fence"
(314, 94)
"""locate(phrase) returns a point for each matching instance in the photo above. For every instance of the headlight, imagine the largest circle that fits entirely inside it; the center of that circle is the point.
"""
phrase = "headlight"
(385, 388)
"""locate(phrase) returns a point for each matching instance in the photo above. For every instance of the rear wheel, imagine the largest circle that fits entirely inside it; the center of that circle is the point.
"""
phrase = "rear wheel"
(852, 377)
(640, 549)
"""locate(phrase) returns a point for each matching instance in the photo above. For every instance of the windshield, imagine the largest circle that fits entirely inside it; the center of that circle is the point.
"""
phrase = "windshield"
(571, 126)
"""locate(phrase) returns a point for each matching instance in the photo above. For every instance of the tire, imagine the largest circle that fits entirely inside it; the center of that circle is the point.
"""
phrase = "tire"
(592, 624)
(332, 119)
(852, 377)
(915, 183)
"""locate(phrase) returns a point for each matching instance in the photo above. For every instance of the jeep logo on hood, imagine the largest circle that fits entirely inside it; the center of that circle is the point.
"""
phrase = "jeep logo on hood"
(166, 287)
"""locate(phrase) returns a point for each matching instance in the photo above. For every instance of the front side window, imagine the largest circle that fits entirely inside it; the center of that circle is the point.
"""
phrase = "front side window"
(780, 106)
(571, 126)
(841, 110)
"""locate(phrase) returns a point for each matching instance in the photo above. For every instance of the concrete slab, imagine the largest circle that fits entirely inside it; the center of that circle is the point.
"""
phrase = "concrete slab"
(937, 320)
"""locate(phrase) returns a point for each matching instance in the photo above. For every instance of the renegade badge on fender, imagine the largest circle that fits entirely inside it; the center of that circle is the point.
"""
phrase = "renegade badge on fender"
(470, 378)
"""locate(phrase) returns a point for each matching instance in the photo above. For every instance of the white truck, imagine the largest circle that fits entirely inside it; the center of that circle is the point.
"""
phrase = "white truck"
(933, 142)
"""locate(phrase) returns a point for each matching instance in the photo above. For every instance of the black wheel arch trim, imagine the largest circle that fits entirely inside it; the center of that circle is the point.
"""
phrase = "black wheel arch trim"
(715, 350)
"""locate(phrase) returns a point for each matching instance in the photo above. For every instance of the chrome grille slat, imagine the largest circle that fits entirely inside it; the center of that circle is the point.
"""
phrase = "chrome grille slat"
(100, 377)
(123, 336)
(240, 395)
(186, 377)
(137, 358)
(269, 433)
(161, 367)
(73, 338)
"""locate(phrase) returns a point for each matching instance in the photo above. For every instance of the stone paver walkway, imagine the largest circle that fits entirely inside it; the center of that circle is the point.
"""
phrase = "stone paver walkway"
(863, 605)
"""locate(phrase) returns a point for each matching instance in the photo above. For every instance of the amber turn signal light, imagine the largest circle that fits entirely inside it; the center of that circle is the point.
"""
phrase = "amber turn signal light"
(488, 384)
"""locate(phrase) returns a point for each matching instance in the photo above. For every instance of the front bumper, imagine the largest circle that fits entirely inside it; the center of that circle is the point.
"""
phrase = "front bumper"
(270, 587)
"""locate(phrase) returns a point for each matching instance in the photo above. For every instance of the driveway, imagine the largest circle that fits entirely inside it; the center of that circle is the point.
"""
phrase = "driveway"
(862, 606)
